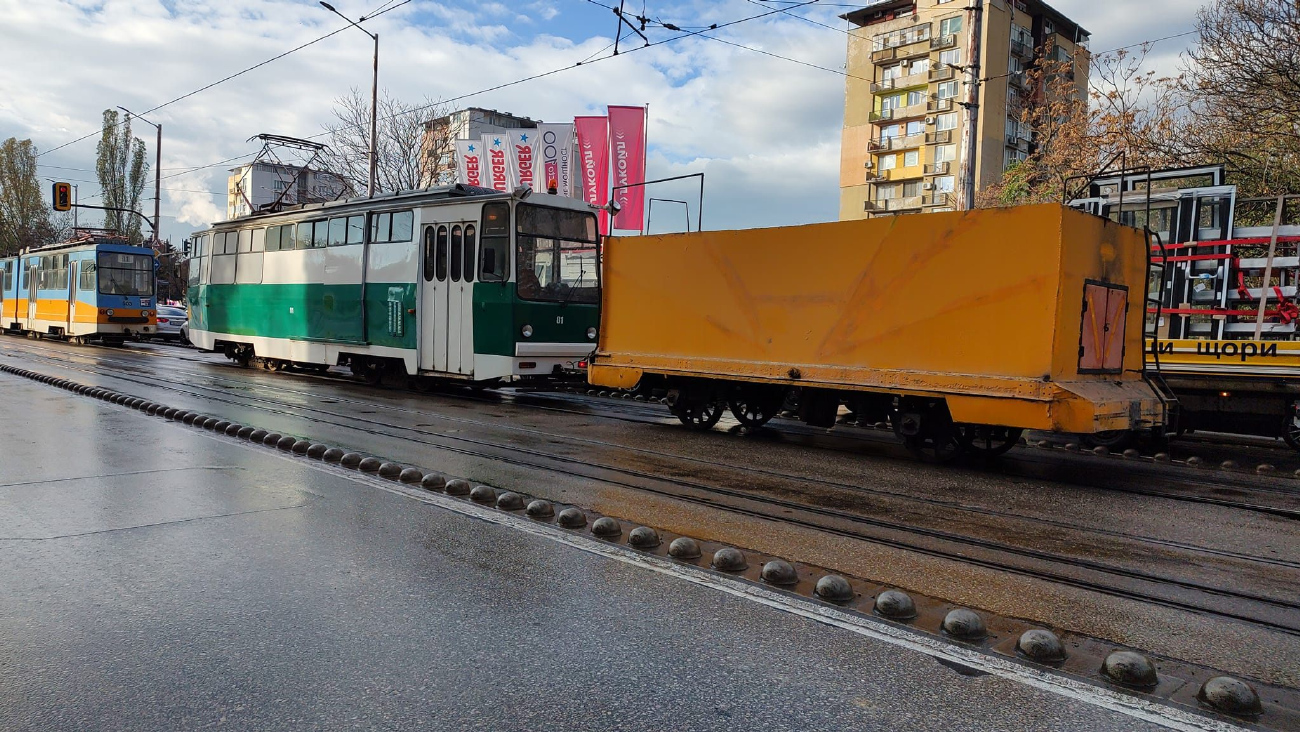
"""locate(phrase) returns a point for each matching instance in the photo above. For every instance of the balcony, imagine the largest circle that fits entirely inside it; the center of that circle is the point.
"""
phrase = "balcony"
(883, 115)
(942, 42)
(937, 168)
(942, 72)
(885, 144)
(1017, 79)
(1022, 49)
(935, 199)
(911, 111)
(939, 105)
(890, 205)
(943, 137)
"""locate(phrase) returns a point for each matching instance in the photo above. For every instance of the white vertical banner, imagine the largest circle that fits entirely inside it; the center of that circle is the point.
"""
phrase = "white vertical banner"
(554, 153)
(575, 173)
(523, 147)
(496, 153)
(469, 162)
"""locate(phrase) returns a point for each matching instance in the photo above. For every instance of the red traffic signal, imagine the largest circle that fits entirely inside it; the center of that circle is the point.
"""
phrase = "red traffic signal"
(62, 196)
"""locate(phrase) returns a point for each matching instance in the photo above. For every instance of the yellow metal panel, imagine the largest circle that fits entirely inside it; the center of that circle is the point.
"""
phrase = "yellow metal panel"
(1237, 358)
(981, 303)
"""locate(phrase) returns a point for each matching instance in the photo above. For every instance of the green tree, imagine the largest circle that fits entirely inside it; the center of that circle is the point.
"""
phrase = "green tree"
(24, 217)
(122, 171)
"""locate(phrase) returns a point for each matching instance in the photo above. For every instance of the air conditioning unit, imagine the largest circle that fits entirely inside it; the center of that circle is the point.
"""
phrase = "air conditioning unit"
(929, 120)
(927, 186)
(868, 165)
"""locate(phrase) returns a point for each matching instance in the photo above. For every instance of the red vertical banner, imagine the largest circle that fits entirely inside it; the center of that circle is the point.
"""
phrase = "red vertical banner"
(627, 146)
(593, 163)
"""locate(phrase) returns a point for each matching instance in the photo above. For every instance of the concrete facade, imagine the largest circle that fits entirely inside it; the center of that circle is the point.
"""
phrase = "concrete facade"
(255, 185)
(438, 149)
(907, 132)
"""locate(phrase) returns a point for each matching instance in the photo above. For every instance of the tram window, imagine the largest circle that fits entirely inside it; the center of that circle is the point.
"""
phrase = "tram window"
(321, 234)
(303, 238)
(440, 260)
(455, 253)
(273, 238)
(469, 252)
(402, 221)
(338, 235)
(356, 229)
(380, 227)
(496, 220)
(259, 240)
(428, 254)
(87, 276)
(245, 240)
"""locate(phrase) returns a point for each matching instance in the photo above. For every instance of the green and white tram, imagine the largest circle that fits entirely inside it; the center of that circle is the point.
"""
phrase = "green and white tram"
(458, 282)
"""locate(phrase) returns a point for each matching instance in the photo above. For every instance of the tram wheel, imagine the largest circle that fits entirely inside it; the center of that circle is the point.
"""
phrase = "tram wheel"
(987, 441)
(943, 447)
(699, 415)
(754, 411)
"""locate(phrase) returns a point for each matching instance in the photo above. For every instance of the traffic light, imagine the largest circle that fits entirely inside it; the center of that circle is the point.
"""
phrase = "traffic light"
(62, 196)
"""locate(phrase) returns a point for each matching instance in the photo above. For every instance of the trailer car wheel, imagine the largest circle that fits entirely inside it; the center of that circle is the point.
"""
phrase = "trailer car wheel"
(701, 415)
(1113, 439)
(1291, 430)
(944, 447)
(988, 441)
(755, 411)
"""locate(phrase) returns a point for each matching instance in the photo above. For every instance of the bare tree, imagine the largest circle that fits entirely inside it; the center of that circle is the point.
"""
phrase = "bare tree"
(121, 168)
(403, 150)
(24, 218)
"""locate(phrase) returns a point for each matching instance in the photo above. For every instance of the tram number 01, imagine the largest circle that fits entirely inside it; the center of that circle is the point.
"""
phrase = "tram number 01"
(559, 320)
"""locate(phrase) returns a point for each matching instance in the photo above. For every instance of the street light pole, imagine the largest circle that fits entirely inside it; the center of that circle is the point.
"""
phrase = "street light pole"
(157, 173)
(374, 99)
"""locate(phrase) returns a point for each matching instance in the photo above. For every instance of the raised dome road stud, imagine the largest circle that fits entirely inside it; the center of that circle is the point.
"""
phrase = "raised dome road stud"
(684, 547)
(540, 509)
(643, 537)
(509, 501)
(572, 518)
(895, 605)
(779, 572)
(965, 625)
(458, 487)
(483, 494)
(409, 475)
(392, 471)
(333, 455)
(433, 482)
(1127, 668)
(729, 559)
(1230, 696)
(1041, 645)
(834, 588)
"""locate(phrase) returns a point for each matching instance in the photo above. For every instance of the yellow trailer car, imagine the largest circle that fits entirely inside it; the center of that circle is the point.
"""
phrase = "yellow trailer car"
(960, 329)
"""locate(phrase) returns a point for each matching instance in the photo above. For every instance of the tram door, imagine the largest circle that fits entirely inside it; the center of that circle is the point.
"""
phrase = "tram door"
(73, 266)
(31, 292)
(447, 333)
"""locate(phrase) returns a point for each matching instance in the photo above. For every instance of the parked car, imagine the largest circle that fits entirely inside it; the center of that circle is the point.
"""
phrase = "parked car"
(171, 320)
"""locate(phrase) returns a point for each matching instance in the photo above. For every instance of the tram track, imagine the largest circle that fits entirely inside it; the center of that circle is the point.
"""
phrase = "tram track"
(1183, 594)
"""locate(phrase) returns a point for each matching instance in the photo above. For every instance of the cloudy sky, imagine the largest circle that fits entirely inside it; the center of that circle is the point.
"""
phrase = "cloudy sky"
(765, 131)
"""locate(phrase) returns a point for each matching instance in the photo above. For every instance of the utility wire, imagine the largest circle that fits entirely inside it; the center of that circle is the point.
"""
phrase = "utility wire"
(222, 80)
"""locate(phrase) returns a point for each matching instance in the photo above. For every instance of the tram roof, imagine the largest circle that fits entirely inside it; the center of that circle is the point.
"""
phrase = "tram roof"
(412, 197)
(112, 243)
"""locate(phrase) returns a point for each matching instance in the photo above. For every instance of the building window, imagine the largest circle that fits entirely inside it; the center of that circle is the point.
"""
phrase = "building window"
(951, 57)
(915, 127)
(893, 101)
(893, 72)
(912, 189)
(888, 162)
(945, 183)
(891, 132)
(916, 97)
(912, 157)
(920, 66)
(950, 26)
(886, 193)
(946, 121)
(945, 153)
(948, 90)
(1015, 157)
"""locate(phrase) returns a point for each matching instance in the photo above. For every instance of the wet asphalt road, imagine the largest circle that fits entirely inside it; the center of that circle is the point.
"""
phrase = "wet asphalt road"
(161, 578)
(618, 457)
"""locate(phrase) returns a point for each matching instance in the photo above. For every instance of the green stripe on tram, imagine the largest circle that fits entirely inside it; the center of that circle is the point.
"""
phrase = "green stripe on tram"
(311, 312)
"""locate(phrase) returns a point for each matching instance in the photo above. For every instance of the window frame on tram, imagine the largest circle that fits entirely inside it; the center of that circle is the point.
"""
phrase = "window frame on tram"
(566, 227)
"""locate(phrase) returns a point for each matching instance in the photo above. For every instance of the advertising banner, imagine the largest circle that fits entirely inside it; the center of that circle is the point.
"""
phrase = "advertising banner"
(555, 151)
(469, 162)
(523, 158)
(593, 163)
(627, 146)
(496, 152)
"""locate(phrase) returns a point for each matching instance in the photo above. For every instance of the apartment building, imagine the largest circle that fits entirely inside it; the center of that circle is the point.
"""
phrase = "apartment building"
(933, 98)
(438, 145)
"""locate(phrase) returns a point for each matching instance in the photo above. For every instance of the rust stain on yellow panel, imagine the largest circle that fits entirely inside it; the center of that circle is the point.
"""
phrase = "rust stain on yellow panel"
(981, 303)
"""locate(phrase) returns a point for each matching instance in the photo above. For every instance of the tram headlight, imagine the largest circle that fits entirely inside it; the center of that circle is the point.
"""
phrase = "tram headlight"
(527, 331)
(591, 334)
(110, 312)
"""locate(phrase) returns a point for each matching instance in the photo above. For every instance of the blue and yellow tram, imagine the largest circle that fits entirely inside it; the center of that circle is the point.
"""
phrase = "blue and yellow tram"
(95, 288)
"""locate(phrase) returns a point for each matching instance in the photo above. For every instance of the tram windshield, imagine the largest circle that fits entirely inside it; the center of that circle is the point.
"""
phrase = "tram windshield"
(125, 274)
(558, 256)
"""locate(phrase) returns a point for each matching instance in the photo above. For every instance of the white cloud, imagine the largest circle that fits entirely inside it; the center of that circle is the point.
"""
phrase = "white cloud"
(764, 130)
